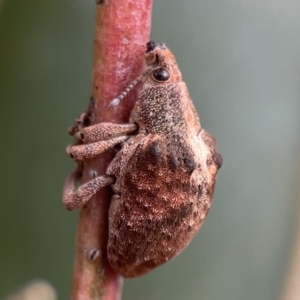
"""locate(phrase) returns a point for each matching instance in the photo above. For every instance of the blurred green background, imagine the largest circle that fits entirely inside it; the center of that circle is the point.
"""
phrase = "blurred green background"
(241, 62)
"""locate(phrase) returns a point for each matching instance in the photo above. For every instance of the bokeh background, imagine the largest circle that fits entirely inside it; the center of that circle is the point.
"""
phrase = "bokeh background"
(241, 62)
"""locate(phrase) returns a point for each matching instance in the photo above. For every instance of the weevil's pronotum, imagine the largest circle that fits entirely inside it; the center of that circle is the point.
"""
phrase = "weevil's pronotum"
(163, 177)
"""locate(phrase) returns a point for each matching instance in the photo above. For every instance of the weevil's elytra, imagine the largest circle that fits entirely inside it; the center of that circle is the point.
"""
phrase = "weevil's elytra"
(163, 177)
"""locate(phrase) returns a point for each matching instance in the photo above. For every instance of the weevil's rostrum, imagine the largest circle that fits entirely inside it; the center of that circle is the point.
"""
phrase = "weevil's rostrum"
(163, 177)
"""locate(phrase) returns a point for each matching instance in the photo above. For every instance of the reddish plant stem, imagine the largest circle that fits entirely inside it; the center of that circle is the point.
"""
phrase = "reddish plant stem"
(291, 289)
(122, 30)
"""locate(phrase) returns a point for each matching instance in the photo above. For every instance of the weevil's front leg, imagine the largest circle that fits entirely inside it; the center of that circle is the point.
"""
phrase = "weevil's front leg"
(73, 199)
(103, 131)
(80, 123)
(88, 151)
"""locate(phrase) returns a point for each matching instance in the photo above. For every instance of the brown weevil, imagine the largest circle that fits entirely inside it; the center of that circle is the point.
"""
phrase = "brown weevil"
(162, 178)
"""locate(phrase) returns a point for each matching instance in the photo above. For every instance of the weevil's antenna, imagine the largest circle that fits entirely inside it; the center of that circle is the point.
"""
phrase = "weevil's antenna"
(117, 100)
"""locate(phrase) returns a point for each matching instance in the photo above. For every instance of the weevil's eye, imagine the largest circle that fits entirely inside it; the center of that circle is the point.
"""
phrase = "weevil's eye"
(161, 74)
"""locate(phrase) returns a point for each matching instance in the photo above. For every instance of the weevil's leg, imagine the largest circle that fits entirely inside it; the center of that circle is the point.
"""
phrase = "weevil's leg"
(80, 123)
(88, 151)
(76, 198)
(103, 131)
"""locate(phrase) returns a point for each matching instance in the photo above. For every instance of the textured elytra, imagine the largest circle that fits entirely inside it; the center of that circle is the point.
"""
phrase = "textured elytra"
(164, 175)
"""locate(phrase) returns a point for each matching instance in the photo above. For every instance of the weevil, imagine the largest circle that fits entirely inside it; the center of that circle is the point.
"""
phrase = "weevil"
(163, 176)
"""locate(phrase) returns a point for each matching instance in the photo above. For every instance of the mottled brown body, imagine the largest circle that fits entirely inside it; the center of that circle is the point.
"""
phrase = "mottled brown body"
(164, 174)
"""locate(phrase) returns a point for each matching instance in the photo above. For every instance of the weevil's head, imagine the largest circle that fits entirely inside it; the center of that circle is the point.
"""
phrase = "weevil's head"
(162, 66)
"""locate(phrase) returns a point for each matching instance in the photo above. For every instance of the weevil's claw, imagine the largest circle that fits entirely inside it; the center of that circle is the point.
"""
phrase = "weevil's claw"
(152, 45)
